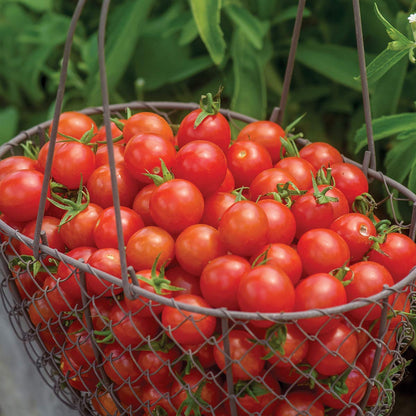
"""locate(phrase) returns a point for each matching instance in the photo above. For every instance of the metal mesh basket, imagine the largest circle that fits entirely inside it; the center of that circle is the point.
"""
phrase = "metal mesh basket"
(115, 377)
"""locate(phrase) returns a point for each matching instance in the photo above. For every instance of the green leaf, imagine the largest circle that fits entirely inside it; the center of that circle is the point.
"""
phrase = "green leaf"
(338, 63)
(124, 28)
(253, 28)
(384, 127)
(207, 15)
(289, 14)
(382, 63)
(400, 159)
(8, 121)
(189, 32)
(36, 5)
(249, 95)
(411, 183)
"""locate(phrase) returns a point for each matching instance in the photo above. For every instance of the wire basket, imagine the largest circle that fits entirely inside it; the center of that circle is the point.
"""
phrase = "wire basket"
(95, 355)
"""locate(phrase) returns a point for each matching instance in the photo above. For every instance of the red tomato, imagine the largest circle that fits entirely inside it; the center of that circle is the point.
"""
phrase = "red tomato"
(187, 327)
(244, 228)
(141, 203)
(397, 253)
(320, 154)
(246, 356)
(341, 206)
(79, 231)
(105, 231)
(265, 132)
(99, 186)
(178, 277)
(282, 223)
(101, 155)
(74, 124)
(214, 128)
(14, 163)
(228, 184)
(266, 289)
(319, 291)
(300, 402)
(108, 261)
(146, 244)
(79, 348)
(203, 163)
(144, 153)
(283, 256)
(334, 350)
(367, 278)
(246, 159)
(196, 246)
(322, 250)
(214, 207)
(302, 170)
(101, 136)
(147, 122)
(20, 194)
(267, 180)
(176, 204)
(220, 280)
(82, 378)
(350, 180)
(356, 229)
(157, 400)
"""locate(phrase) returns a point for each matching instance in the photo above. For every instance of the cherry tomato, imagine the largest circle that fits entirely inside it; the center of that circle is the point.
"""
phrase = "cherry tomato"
(397, 253)
(14, 163)
(176, 204)
(214, 207)
(214, 128)
(187, 327)
(141, 203)
(300, 402)
(78, 347)
(196, 246)
(74, 124)
(20, 194)
(228, 184)
(246, 159)
(265, 132)
(101, 136)
(356, 229)
(302, 170)
(244, 228)
(105, 230)
(179, 277)
(144, 153)
(221, 278)
(101, 155)
(157, 400)
(322, 250)
(320, 154)
(80, 377)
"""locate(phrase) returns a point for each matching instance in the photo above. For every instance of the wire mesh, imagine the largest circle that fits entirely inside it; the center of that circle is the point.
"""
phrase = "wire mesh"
(112, 354)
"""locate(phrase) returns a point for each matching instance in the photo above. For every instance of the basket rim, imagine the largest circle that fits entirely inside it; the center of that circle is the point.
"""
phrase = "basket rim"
(216, 312)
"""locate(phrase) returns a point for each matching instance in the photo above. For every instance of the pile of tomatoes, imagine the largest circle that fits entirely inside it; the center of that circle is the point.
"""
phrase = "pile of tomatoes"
(252, 225)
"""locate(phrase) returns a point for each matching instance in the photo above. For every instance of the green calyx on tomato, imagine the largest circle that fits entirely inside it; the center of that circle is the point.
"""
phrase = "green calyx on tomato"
(30, 149)
(324, 177)
(167, 175)
(164, 345)
(340, 274)
(275, 338)
(193, 402)
(250, 388)
(320, 195)
(209, 105)
(285, 192)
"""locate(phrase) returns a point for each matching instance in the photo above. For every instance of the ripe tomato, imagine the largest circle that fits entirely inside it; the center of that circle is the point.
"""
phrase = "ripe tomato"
(180, 278)
(15, 163)
(82, 378)
(322, 250)
(176, 204)
(319, 291)
(74, 124)
(320, 154)
(146, 244)
(228, 184)
(283, 256)
(397, 253)
(350, 180)
(147, 122)
(214, 207)
(101, 155)
(265, 132)
(300, 402)
(78, 347)
(302, 170)
(214, 128)
(20, 194)
(144, 153)
(334, 350)
(203, 163)
(105, 231)
(99, 186)
(187, 327)
(141, 203)
(101, 135)
(244, 228)
(368, 278)
(266, 289)
(221, 278)
(267, 180)
(246, 356)
(79, 231)
(157, 400)
(246, 159)
(196, 246)
(356, 229)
